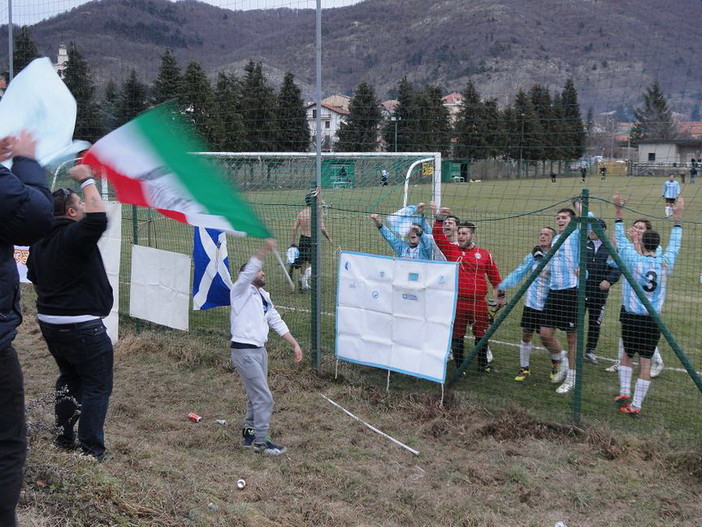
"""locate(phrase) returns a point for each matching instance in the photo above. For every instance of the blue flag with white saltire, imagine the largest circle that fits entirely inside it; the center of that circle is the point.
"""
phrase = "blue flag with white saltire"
(211, 279)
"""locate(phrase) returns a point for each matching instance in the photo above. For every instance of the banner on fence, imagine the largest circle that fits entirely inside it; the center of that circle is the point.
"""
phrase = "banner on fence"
(395, 313)
(110, 246)
(160, 287)
(212, 282)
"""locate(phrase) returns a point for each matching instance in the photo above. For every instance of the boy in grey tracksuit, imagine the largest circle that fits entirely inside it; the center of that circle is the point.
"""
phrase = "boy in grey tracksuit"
(252, 314)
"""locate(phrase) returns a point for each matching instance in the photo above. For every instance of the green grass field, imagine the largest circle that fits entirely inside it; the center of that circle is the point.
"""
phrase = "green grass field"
(497, 452)
(509, 214)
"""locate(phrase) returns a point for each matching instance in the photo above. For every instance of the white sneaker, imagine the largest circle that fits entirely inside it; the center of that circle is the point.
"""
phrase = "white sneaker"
(590, 357)
(567, 386)
(614, 368)
(656, 369)
(560, 375)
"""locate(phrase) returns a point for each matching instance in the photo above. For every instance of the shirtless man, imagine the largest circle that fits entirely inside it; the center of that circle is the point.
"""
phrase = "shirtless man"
(303, 224)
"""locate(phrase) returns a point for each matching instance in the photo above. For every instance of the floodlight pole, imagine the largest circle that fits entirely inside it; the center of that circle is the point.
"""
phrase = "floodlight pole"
(315, 344)
(10, 43)
(396, 119)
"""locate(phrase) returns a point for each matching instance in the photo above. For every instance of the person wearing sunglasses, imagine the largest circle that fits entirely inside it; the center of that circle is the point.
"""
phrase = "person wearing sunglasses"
(73, 296)
(25, 216)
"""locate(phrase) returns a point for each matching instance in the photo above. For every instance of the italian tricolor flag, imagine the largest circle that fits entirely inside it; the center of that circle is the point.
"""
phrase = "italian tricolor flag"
(150, 162)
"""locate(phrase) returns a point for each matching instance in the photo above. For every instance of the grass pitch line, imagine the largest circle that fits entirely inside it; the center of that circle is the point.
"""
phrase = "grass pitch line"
(415, 452)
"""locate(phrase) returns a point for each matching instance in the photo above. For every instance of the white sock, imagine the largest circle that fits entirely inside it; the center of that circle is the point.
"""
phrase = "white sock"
(306, 276)
(556, 357)
(640, 392)
(524, 353)
(571, 376)
(657, 356)
(620, 350)
(625, 380)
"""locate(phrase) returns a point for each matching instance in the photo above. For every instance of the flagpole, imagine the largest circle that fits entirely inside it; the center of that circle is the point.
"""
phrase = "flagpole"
(285, 271)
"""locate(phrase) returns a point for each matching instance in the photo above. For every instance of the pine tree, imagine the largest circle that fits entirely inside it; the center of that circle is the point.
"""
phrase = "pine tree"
(526, 130)
(293, 129)
(470, 126)
(227, 99)
(573, 133)
(168, 83)
(132, 99)
(401, 132)
(359, 132)
(79, 81)
(25, 49)
(198, 103)
(494, 128)
(543, 140)
(258, 109)
(654, 120)
(435, 123)
(109, 107)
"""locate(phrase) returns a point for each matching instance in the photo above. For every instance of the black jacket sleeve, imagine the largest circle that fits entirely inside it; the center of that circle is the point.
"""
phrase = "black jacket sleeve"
(26, 205)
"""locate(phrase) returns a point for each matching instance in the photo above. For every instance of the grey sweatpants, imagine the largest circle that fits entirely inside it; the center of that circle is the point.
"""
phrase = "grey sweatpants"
(252, 365)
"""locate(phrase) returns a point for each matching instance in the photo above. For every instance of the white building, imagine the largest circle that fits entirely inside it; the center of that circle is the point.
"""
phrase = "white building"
(62, 60)
(334, 109)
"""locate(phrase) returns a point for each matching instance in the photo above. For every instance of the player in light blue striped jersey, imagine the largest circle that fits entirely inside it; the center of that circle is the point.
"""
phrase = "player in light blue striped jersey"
(561, 309)
(534, 298)
(640, 332)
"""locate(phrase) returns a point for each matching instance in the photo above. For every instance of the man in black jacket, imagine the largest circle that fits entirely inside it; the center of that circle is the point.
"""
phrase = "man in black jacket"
(601, 275)
(25, 216)
(73, 296)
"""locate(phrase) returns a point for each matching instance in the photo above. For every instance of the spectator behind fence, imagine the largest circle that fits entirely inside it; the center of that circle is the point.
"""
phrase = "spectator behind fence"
(25, 216)
(73, 296)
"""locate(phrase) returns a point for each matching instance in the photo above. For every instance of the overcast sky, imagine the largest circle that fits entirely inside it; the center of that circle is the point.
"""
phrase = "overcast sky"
(26, 12)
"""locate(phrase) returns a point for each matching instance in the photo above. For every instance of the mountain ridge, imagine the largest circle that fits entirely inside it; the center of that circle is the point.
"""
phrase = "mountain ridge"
(612, 50)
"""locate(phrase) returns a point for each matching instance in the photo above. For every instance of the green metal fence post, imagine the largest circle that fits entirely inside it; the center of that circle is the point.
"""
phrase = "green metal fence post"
(582, 283)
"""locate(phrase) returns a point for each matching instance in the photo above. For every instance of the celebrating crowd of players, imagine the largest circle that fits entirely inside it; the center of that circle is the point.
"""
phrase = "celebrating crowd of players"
(550, 302)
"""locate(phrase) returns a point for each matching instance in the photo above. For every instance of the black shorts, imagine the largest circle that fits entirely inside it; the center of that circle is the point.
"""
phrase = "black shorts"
(670, 201)
(640, 334)
(561, 310)
(532, 319)
(305, 247)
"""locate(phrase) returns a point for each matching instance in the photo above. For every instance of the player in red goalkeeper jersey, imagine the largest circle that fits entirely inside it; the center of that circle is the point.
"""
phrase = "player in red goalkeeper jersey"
(476, 267)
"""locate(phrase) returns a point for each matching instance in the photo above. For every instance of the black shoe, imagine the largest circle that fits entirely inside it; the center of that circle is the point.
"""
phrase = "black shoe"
(64, 444)
(248, 436)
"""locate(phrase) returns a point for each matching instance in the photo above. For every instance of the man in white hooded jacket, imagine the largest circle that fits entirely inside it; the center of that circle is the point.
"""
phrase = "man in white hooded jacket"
(252, 314)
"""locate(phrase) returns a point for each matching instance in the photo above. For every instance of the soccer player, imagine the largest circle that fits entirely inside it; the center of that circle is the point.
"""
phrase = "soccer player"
(671, 191)
(560, 310)
(417, 247)
(601, 276)
(303, 223)
(534, 299)
(475, 267)
(640, 331)
(635, 231)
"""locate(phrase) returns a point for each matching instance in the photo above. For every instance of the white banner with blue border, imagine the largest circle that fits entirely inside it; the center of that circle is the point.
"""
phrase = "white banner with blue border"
(396, 314)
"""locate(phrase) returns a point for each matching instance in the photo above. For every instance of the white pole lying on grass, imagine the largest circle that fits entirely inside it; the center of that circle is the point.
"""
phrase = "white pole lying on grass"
(285, 271)
(415, 452)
